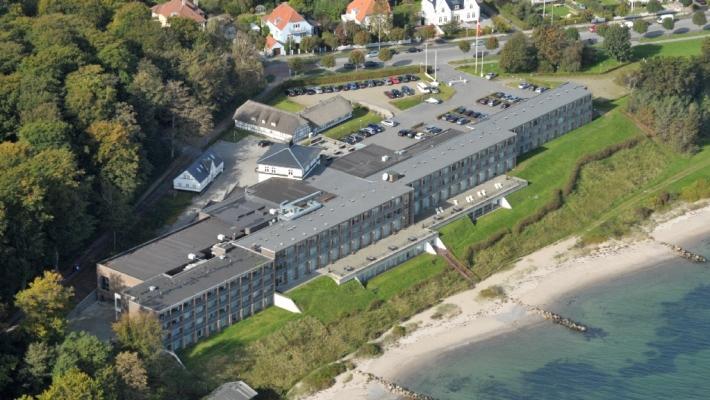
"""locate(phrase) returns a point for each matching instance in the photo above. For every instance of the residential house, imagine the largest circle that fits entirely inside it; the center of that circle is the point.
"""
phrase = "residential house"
(286, 25)
(178, 9)
(200, 174)
(365, 12)
(284, 161)
(272, 47)
(328, 113)
(269, 121)
(440, 12)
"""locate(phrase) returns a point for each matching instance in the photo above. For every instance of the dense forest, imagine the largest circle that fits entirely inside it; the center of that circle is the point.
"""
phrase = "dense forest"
(95, 98)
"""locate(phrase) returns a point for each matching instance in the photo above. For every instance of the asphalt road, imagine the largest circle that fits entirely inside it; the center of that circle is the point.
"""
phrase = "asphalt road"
(449, 51)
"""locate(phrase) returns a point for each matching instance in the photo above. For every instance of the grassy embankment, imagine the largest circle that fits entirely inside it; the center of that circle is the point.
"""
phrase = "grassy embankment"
(275, 349)
(607, 201)
(361, 117)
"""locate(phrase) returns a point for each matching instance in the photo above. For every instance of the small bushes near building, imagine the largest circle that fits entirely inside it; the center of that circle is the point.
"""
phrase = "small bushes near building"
(700, 189)
(492, 292)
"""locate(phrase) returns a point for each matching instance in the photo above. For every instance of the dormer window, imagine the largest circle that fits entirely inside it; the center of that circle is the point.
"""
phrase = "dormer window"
(296, 26)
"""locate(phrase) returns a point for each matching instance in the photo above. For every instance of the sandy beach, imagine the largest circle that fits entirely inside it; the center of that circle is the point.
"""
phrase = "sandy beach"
(536, 280)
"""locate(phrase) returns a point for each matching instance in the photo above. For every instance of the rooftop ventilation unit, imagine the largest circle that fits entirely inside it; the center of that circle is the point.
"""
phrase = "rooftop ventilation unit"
(152, 288)
(192, 256)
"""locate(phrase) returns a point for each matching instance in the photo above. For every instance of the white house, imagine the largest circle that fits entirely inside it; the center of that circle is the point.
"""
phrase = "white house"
(287, 25)
(328, 113)
(200, 174)
(178, 9)
(284, 161)
(269, 121)
(440, 12)
(363, 12)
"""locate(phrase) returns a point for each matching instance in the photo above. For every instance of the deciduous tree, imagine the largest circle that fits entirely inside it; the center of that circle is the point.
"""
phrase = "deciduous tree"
(44, 304)
(356, 57)
(140, 333)
(91, 94)
(699, 18)
(385, 54)
(72, 386)
(617, 41)
(83, 352)
(518, 55)
(464, 46)
(641, 26)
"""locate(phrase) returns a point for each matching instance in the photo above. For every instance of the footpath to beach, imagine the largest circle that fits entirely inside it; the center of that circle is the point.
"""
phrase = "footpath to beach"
(535, 282)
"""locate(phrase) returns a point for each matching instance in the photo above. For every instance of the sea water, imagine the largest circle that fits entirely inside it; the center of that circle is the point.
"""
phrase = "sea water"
(651, 340)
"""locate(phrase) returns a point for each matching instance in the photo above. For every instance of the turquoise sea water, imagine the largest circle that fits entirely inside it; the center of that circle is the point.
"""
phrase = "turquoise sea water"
(651, 341)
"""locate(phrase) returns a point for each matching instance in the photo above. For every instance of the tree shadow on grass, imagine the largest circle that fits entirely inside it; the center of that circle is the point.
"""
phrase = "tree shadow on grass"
(531, 153)
(653, 34)
(401, 63)
(681, 30)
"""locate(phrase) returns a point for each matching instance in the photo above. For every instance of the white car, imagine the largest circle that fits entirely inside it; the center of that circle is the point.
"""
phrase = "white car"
(523, 85)
(490, 75)
(432, 100)
(390, 122)
(419, 136)
(371, 54)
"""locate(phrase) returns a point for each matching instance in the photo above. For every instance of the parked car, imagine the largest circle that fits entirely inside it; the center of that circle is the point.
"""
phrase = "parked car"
(394, 80)
(483, 100)
(389, 94)
(405, 132)
(264, 143)
(414, 50)
(379, 82)
(348, 66)
(419, 136)
(377, 128)
(413, 78)
(403, 78)
(372, 53)
(490, 75)
(390, 122)
(432, 100)
(523, 85)
(397, 93)
(540, 89)
(310, 91)
(371, 64)
(505, 105)
(462, 121)
(407, 90)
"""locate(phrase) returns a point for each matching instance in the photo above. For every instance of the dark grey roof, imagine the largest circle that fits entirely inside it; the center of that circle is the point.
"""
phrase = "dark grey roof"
(233, 391)
(277, 190)
(170, 290)
(454, 3)
(240, 213)
(200, 169)
(169, 251)
(368, 160)
(328, 110)
(294, 156)
(269, 117)
(354, 196)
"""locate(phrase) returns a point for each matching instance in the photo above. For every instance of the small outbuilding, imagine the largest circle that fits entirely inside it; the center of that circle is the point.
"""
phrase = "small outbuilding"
(237, 390)
(200, 174)
(328, 113)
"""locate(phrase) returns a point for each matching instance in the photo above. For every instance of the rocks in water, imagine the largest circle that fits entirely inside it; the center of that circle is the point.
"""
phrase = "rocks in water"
(554, 317)
(396, 389)
(696, 258)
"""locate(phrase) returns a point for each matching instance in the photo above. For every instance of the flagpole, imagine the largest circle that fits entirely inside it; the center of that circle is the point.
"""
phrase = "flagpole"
(476, 48)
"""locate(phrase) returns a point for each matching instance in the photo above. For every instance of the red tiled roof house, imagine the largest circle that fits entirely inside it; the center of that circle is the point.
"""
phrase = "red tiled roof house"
(287, 25)
(178, 9)
(363, 12)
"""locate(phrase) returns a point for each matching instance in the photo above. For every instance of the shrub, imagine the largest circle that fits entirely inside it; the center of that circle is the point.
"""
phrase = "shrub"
(699, 189)
(492, 292)
(399, 331)
(385, 54)
(663, 199)
(446, 310)
(328, 61)
(323, 377)
(369, 350)
(668, 23)
(492, 43)
(654, 6)
(699, 18)
(555, 204)
(640, 26)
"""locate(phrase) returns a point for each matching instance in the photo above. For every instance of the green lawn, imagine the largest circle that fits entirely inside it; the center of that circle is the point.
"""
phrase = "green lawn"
(446, 92)
(671, 35)
(416, 270)
(320, 298)
(545, 170)
(690, 47)
(284, 103)
(361, 117)
(325, 300)
(236, 336)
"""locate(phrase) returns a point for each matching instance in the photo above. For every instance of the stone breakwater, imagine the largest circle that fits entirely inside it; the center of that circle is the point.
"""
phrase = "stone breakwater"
(554, 317)
(396, 389)
(696, 258)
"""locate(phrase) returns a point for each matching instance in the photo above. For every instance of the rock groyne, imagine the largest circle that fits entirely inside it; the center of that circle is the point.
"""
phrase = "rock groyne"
(696, 258)
(396, 389)
(554, 317)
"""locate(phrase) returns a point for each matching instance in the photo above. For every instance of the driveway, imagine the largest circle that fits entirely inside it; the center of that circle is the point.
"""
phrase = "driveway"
(239, 171)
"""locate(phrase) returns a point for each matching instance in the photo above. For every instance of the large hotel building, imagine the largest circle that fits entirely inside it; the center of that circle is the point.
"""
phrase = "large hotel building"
(241, 253)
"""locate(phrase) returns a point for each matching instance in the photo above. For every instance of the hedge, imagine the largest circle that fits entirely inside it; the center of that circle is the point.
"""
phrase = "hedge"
(600, 155)
(555, 204)
(352, 76)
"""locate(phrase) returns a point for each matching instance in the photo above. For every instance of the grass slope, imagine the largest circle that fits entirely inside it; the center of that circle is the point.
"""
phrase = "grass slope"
(547, 168)
(361, 117)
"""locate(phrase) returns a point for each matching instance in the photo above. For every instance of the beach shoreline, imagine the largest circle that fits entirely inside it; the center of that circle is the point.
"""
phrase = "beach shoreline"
(539, 279)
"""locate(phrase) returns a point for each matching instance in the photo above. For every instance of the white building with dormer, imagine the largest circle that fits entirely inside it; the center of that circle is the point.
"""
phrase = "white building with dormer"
(441, 12)
(288, 161)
